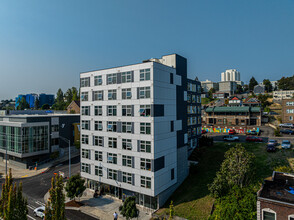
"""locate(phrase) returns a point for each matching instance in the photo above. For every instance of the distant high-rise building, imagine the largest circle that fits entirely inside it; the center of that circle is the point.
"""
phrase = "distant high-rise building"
(230, 75)
(31, 98)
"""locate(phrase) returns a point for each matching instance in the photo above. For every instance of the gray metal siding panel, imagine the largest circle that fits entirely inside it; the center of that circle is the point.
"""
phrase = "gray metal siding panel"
(138, 146)
(133, 162)
(133, 111)
(138, 93)
(118, 127)
(119, 176)
(133, 179)
(118, 78)
(133, 127)
(132, 76)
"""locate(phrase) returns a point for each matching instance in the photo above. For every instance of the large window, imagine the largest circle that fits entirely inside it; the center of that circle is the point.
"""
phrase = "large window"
(145, 146)
(127, 161)
(98, 156)
(98, 141)
(127, 127)
(144, 92)
(126, 144)
(97, 95)
(111, 78)
(98, 126)
(145, 110)
(145, 128)
(112, 142)
(111, 126)
(112, 174)
(86, 168)
(85, 139)
(86, 153)
(54, 128)
(112, 94)
(85, 82)
(144, 74)
(84, 96)
(126, 110)
(111, 110)
(85, 110)
(98, 110)
(97, 80)
(146, 182)
(127, 177)
(145, 164)
(126, 93)
(126, 77)
(98, 171)
(111, 158)
(268, 215)
(85, 125)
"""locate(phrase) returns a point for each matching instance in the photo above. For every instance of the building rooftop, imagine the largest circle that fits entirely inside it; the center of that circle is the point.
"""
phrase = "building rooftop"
(233, 109)
(279, 187)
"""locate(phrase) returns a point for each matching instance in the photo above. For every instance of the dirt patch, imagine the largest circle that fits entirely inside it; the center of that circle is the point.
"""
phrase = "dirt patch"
(73, 203)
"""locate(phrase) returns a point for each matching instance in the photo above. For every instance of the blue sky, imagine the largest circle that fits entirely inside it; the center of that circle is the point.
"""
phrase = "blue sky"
(44, 45)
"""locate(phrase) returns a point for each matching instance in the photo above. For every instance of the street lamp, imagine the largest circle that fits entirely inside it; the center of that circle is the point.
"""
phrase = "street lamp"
(69, 158)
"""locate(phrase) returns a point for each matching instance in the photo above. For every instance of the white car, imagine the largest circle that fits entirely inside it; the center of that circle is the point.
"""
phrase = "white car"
(286, 144)
(39, 212)
(231, 138)
(287, 125)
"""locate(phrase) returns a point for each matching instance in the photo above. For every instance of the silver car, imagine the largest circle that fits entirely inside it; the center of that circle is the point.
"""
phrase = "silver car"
(286, 144)
(39, 212)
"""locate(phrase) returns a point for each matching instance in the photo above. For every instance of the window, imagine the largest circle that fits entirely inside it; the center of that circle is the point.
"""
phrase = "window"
(98, 141)
(144, 92)
(86, 153)
(193, 98)
(291, 118)
(269, 215)
(145, 164)
(98, 126)
(85, 82)
(112, 94)
(55, 128)
(145, 128)
(127, 177)
(85, 125)
(291, 217)
(146, 182)
(112, 174)
(290, 111)
(98, 110)
(145, 146)
(171, 126)
(111, 126)
(97, 95)
(126, 76)
(112, 142)
(172, 174)
(98, 171)
(86, 168)
(127, 127)
(126, 93)
(126, 144)
(111, 78)
(98, 156)
(84, 96)
(127, 161)
(85, 110)
(97, 80)
(145, 110)
(189, 98)
(111, 158)
(171, 78)
(111, 110)
(144, 74)
(85, 139)
(189, 87)
(194, 87)
(126, 110)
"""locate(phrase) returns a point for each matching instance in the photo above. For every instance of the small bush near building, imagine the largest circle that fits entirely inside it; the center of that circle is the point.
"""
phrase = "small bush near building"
(277, 132)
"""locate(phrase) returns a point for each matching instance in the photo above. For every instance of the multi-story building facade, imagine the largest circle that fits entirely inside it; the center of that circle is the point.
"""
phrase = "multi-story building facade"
(282, 94)
(31, 99)
(227, 87)
(230, 75)
(134, 120)
(288, 110)
(207, 85)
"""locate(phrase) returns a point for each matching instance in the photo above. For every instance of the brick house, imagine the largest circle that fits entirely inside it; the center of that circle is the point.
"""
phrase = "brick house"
(288, 110)
(74, 107)
(275, 199)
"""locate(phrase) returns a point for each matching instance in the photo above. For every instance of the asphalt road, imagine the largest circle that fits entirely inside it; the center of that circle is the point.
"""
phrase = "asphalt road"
(34, 188)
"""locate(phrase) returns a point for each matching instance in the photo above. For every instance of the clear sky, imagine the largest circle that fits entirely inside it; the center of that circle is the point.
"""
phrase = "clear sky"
(44, 45)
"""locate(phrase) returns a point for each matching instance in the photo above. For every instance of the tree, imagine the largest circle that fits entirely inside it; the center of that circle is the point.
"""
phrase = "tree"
(239, 89)
(246, 88)
(171, 210)
(268, 85)
(286, 83)
(22, 104)
(68, 96)
(75, 186)
(252, 83)
(210, 93)
(75, 94)
(236, 170)
(129, 209)
(239, 204)
(283, 169)
(55, 207)
(263, 100)
(59, 101)
(45, 107)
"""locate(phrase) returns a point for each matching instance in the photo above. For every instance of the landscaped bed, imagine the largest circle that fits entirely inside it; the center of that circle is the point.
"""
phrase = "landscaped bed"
(74, 203)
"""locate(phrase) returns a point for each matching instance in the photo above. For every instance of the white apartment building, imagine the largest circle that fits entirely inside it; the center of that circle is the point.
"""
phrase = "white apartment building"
(230, 75)
(135, 129)
(283, 94)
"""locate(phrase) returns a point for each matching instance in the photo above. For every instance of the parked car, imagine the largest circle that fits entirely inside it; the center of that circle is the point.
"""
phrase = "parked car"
(39, 212)
(287, 125)
(252, 133)
(270, 148)
(253, 139)
(287, 131)
(232, 131)
(274, 142)
(230, 138)
(286, 144)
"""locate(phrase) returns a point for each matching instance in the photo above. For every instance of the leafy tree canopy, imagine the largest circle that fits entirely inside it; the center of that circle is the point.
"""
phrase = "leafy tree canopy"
(286, 83)
(75, 186)
(252, 83)
(268, 85)
(129, 209)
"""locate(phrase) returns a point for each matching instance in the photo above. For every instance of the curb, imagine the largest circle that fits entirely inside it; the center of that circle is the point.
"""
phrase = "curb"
(72, 208)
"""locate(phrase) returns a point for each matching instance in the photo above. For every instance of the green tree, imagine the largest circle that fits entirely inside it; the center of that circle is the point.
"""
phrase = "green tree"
(239, 204)
(264, 100)
(283, 169)
(22, 104)
(75, 94)
(59, 101)
(210, 93)
(75, 186)
(68, 96)
(129, 209)
(252, 83)
(268, 85)
(236, 170)
(246, 88)
(286, 83)
(171, 210)
(45, 107)
(239, 89)
(55, 207)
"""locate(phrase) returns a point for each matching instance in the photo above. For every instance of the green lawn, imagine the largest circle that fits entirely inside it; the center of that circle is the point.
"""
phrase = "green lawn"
(192, 199)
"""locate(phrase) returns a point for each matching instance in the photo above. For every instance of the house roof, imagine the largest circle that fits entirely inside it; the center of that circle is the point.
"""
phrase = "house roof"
(251, 100)
(74, 102)
(233, 109)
